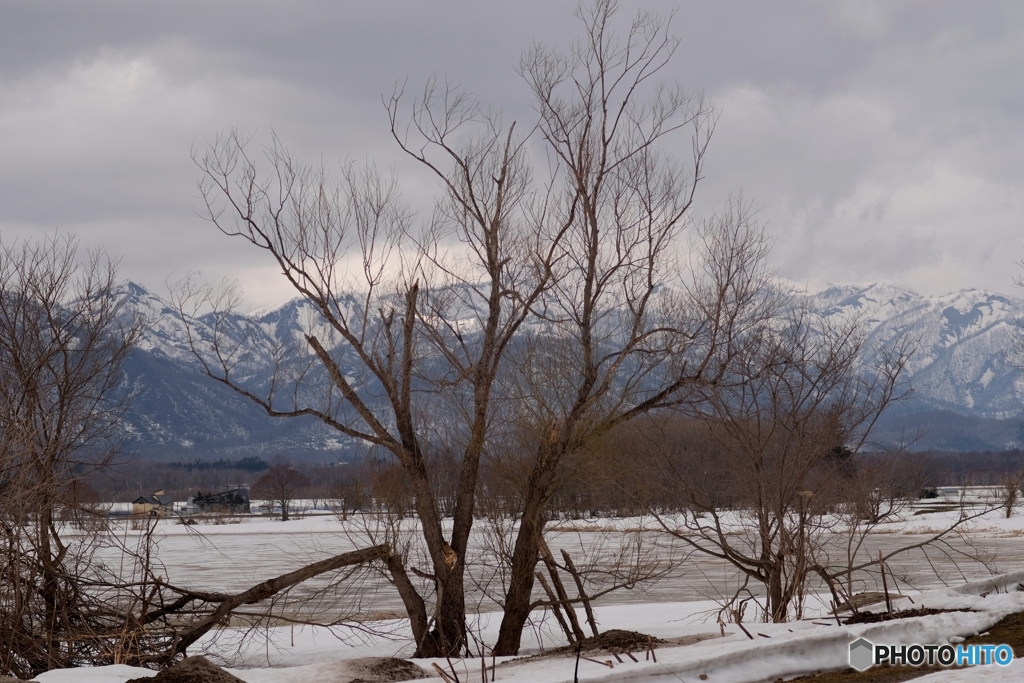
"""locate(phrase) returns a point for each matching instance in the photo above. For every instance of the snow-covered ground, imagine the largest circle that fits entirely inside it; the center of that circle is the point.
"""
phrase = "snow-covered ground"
(788, 650)
(234, 556)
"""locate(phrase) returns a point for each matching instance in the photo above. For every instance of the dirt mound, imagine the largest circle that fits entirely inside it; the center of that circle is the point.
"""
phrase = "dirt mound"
(386, 670)
(191, 670)
(613, 640)
(619, 640)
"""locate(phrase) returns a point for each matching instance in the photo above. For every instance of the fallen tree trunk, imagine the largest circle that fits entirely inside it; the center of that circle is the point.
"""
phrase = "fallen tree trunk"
(266, 589)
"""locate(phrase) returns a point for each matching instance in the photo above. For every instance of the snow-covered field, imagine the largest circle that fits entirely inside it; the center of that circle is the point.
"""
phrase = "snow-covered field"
(680, 606)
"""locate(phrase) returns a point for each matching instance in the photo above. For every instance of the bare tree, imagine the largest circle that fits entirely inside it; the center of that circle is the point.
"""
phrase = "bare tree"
(798, 405)
(1011, 488)
(350, 488)
(544, 311)
(281, 485)
(362, 368)
(627, 327)
(63, 340)
(789, 502)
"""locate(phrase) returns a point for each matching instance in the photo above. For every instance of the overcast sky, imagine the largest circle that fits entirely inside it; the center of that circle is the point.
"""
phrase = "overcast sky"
(883, 141)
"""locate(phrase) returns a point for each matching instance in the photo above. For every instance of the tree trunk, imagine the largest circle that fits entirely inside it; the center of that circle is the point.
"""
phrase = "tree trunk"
(47, 590)
(414, 607)
(451, 611)
(778, 605)
(524, 561)
(448, 637)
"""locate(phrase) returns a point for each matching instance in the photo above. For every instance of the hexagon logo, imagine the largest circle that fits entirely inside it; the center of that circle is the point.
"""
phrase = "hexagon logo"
(861, 654)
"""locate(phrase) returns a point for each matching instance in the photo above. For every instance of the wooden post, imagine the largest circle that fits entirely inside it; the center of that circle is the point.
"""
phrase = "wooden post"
(583, 593)
(452, 669)
(441, 673)
(885, 584)
(556, 581)
(555, 608)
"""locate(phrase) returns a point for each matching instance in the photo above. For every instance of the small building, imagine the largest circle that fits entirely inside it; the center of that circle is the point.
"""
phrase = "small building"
(150, 505)
(234, 501)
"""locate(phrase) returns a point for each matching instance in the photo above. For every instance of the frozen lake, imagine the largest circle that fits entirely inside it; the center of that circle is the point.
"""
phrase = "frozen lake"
(231, 557)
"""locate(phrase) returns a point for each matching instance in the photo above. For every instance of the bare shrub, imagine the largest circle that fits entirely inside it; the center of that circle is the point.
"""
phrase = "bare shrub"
(63, 339)
(796, 405)
(281, 484)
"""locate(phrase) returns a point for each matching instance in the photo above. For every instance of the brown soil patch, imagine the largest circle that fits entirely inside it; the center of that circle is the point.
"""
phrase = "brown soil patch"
(386, 670)
(1009, 630)
(876, 674)
(191, 670)
(365, 670)
(868, 617)
(613, 641)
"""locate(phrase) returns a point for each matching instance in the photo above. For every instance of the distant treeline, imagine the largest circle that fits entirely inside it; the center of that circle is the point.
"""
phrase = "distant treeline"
(970, 467)
(621, 475)
(249, 464)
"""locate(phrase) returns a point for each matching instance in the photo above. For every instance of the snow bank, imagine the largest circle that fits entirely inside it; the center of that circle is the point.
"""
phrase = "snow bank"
(777, 651)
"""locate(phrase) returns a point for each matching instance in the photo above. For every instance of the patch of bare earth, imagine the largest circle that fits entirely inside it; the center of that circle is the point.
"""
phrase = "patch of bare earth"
(364, 670)
(612, 641)
(1009, 630)
(384, 670)
(191, 670)
(868, 617)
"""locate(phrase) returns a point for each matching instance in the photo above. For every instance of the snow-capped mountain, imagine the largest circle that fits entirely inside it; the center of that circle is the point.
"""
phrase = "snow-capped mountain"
(964, 343)
(967, 392)
(178, 411)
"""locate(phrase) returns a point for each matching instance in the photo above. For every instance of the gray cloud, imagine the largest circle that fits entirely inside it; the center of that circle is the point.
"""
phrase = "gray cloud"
(883, 140)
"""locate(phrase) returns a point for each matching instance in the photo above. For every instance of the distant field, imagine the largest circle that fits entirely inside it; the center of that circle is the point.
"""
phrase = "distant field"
(233, 553)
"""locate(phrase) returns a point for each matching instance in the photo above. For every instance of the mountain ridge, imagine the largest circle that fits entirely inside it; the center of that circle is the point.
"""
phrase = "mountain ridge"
(960, 367)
